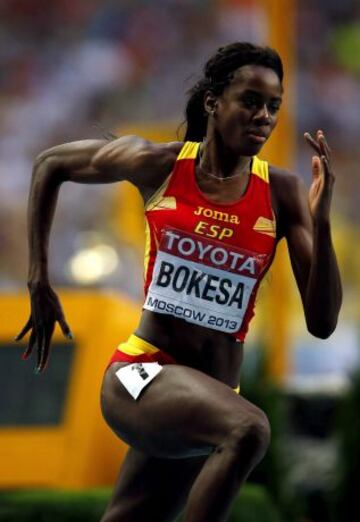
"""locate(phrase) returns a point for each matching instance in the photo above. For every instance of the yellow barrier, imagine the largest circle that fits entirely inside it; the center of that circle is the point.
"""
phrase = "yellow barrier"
(81, 451)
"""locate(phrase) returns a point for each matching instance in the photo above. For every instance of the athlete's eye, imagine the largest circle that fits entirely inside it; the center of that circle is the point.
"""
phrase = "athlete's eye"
(251, 102)
(273, 108)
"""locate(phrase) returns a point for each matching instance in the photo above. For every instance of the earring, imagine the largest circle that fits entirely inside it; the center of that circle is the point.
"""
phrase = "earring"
(210, 113)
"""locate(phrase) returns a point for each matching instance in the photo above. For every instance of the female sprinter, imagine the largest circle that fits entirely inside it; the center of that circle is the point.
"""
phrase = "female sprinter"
(214, 215)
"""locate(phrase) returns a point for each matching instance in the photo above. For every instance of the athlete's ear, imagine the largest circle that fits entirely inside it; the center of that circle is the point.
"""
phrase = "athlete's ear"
(210, 103)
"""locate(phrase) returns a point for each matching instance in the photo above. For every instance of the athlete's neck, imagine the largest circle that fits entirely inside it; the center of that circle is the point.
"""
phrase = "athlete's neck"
(222, 164)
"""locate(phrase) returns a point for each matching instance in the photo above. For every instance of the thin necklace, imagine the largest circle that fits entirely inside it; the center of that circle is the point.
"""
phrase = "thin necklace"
(210, 175)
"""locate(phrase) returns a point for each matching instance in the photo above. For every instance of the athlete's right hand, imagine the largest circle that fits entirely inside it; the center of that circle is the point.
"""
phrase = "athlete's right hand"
(46, 310)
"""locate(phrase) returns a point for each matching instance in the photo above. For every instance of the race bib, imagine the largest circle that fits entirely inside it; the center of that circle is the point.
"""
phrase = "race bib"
(203, 281)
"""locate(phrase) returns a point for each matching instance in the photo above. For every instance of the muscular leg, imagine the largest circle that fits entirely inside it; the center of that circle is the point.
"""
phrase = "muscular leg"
(225, 470)
(183, 413)
(150, 488)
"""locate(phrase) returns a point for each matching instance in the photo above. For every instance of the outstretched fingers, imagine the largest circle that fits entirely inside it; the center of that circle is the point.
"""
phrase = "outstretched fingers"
(65, 328)
(39, 343)
(319, 144)
(321, 164)
(328, 172)
(44, 349)
(46, 310)
(324, 147)
(312, 142)
(25, 330)
(321, 137)
(29, 349)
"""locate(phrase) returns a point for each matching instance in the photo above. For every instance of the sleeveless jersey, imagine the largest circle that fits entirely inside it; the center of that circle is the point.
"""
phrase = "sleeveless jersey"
(203, 260)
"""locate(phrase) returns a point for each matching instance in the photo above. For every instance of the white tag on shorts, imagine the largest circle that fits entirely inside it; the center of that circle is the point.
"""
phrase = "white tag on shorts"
(136, 376)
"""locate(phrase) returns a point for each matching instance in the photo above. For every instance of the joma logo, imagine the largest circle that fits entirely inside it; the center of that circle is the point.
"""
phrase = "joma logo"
(216, 214)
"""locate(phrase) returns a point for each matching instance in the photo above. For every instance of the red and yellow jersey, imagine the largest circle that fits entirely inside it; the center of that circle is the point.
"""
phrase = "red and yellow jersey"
(204, 261)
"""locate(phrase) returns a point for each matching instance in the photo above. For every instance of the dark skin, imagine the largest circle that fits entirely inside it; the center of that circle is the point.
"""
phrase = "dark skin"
(189, 423)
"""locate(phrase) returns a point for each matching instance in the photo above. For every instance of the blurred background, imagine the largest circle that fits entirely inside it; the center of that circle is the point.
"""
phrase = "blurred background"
(75, 69)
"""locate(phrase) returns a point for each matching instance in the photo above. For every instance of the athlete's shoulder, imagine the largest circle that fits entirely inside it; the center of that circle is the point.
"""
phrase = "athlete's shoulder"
(168, 152)
(146, 151)
(138, 160)
(157, 161)
(285, 183)
(279, 175)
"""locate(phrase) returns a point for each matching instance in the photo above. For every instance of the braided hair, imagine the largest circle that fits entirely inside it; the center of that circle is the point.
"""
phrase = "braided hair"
(219, 70)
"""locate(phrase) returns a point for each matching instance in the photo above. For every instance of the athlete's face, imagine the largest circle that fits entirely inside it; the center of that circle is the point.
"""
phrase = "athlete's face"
(246, 112)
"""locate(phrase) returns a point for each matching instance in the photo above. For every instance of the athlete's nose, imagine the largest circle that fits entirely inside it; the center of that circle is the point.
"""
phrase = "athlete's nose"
(263, 113)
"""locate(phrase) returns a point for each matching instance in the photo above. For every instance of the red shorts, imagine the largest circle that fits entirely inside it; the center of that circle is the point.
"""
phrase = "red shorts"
(136, 349)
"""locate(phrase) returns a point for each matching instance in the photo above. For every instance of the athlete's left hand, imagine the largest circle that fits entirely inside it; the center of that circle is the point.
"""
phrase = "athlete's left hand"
(323, 177)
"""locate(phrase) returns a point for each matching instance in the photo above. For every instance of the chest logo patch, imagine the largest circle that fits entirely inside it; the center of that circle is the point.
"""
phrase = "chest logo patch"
(265, 226)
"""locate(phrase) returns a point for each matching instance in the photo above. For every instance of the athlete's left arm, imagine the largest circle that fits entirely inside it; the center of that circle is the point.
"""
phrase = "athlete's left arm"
(305, 222)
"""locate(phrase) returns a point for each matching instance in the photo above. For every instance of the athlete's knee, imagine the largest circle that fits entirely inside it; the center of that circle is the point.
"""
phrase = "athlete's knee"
(250, 436)
(258, 432)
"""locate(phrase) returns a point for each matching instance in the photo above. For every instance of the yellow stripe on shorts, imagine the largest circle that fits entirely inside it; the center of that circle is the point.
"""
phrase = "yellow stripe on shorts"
(136, 346)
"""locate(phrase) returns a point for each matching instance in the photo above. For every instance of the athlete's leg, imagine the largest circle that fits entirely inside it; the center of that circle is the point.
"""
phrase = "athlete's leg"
(223, 473)
(184, 412)
(149, 488)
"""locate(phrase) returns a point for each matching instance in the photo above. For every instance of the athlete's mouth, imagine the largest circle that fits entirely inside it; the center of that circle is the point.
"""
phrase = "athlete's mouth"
(257, 136)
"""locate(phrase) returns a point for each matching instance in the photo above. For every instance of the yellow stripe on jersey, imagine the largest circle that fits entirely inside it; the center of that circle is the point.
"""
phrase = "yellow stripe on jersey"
(147, 247)
(189, 150)
(260, 168)
(157, 196)
(168, 203)
(136, 346)
(265, 226)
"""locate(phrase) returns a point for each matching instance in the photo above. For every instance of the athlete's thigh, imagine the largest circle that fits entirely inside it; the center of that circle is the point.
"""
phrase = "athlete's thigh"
(181, 413)
(150, 488)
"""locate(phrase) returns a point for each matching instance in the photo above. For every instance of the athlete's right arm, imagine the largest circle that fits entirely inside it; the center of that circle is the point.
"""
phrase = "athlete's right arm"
(144, 164)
